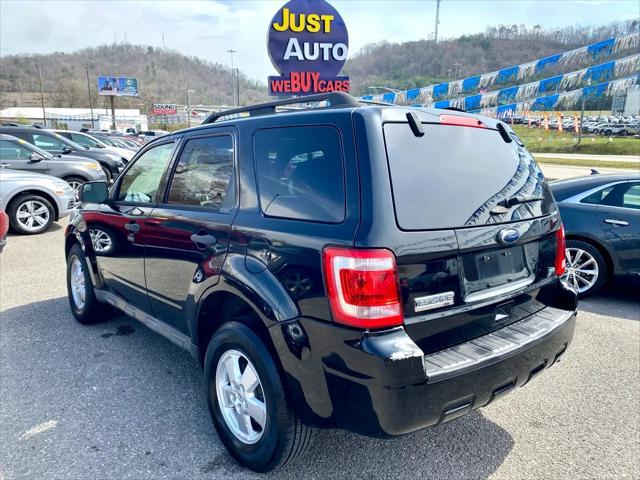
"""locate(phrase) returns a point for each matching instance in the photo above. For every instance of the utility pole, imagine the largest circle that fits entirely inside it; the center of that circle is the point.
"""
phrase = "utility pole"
(44, 114)
(86, 69)
(237, 72)
(163, 40)
(112, 99)
(231, 51)
(189, 107)
(435, 37)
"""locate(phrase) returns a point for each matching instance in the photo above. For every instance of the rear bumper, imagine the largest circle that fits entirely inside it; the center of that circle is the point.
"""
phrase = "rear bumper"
(382, 384)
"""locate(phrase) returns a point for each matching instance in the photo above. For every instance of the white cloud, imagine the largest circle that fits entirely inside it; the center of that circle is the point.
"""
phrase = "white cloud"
(207, 29)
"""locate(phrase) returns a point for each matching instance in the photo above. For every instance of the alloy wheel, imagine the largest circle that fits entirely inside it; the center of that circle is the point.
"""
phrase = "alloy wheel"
(582, 270)
(76, 186)
(78, 287)
(101, 240)
(241, 397)
(33, 215)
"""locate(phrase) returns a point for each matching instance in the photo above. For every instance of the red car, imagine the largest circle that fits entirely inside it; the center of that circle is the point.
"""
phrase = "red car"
(4, 227)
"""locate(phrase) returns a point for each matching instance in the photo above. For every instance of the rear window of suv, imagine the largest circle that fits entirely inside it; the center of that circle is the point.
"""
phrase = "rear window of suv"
(300, 173)
(453, 176)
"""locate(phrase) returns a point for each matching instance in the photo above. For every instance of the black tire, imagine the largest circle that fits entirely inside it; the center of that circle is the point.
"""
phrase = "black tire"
(92, 311)
(284, 437)
(603, 271)
(21, 202)
(108, 174)
(607, 133)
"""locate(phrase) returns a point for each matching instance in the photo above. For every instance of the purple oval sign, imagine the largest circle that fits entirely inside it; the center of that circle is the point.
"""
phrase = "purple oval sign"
(308, 44)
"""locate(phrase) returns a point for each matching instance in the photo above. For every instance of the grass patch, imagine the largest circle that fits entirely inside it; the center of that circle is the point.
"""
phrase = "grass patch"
(579, 162)
(551, 141)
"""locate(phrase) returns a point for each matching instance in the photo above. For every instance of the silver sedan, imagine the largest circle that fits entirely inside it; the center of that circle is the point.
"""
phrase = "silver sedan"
(34, 201)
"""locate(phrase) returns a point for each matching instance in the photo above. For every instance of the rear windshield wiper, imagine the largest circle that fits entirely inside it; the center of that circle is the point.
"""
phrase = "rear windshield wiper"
(504, 205)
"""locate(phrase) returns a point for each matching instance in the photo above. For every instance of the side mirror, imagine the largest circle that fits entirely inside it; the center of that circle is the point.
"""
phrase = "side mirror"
(94, 192)
(35, 157)
(67, 150)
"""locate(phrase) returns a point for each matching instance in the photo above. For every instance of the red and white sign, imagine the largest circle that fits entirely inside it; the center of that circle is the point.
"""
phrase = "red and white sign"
(164, 109)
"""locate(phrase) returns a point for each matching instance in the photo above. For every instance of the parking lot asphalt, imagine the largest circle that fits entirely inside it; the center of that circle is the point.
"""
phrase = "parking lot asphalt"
(117, 401)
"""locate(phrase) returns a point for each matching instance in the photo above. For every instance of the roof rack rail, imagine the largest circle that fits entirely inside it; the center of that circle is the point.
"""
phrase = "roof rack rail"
(335, 99)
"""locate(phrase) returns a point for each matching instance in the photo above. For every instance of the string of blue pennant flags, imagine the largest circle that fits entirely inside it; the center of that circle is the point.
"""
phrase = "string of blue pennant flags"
(431, 93)
(597, 73)
(559, 101)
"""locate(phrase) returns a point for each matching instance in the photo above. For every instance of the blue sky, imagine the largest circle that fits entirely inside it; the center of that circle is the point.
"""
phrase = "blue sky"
(208, 28)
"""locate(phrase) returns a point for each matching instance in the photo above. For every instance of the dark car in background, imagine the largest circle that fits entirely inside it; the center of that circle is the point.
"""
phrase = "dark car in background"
(601, 217)
(18, 154)
(55, 144)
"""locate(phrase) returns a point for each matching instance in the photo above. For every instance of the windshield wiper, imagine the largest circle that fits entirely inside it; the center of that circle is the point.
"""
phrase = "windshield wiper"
(504, 205)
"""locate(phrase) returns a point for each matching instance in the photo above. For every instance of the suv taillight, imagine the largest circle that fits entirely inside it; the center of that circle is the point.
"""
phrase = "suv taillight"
(362, 286)
(560, 251)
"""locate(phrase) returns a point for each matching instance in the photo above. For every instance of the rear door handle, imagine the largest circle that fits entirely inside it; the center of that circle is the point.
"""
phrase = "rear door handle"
(132, 228)
(619, 223)
(206, 240)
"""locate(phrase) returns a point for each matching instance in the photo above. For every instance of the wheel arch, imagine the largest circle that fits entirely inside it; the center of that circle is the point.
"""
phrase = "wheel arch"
(35, 191)
(608, 258)
(223, 305)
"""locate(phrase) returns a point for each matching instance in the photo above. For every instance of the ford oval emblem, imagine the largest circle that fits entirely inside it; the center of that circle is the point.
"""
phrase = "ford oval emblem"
(508, 236)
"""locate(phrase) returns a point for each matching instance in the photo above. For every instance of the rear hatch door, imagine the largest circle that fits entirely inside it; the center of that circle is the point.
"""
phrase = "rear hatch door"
(481, 220)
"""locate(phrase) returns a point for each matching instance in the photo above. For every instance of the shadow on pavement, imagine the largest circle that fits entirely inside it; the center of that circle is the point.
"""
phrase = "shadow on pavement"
(120, 401)
(617, 300)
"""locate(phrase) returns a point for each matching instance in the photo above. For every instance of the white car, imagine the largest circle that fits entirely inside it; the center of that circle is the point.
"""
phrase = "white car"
(34, 201)
(87, 140)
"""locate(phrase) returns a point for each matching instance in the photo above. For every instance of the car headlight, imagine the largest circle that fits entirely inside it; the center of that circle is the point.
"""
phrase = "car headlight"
(62, 188)
(92, 166)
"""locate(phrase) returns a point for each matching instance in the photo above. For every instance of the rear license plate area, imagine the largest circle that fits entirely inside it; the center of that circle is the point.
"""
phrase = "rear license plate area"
(493, 268)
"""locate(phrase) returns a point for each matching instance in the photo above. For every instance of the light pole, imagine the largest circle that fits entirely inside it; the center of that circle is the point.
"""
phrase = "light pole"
(189, 107)
(86, 69)
(44, 114)
(231, 51)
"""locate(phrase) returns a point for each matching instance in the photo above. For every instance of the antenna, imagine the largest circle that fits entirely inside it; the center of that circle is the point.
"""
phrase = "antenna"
(435, 37)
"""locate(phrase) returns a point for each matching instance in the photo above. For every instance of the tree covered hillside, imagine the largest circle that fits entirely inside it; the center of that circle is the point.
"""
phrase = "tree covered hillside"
(423, 62)
(163, 75)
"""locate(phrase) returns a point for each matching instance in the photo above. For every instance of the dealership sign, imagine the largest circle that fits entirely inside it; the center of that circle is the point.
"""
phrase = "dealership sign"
(308, 44)
(164, 109)
(118, 86)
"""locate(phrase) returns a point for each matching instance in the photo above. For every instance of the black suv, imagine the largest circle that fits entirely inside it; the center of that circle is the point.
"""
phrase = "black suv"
(55, 144)
(373, 268)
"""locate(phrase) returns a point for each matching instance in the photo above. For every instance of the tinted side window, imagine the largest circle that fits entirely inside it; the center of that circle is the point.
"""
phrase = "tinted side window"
(596, 197)
(141, 182)
(204, 174)
(300, 173)
(624, 195)
(14, 151)
(48, 142)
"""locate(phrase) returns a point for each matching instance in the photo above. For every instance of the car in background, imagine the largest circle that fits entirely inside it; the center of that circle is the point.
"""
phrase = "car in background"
(55, 144)
(601, 217)
(33, 201)
(4, 227)
(149, 135)
(93, 141)
(17, 154)
(610, 129)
